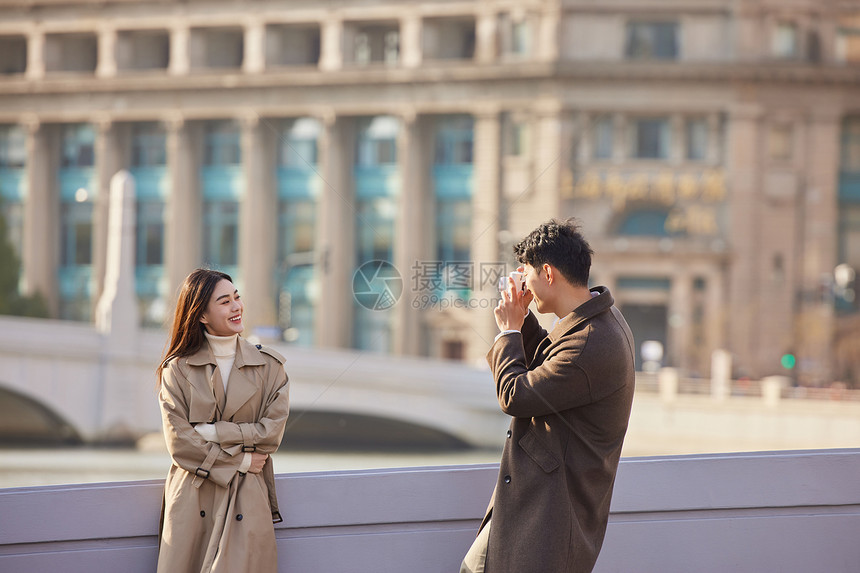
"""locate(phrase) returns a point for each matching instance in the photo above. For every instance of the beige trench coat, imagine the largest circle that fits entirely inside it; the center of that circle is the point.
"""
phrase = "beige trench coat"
(215, 519)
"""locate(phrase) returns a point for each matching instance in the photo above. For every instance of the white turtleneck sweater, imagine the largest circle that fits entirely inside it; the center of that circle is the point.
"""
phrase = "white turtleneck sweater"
(224, 350)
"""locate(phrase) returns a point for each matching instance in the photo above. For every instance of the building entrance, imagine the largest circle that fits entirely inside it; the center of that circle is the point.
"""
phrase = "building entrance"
(648, 322)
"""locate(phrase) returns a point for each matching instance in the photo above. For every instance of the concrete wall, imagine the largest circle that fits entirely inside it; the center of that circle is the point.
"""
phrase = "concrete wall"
(772, 511)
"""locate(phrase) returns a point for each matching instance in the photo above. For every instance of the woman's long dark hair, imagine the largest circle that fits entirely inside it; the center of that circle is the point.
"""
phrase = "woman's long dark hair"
(186, 334)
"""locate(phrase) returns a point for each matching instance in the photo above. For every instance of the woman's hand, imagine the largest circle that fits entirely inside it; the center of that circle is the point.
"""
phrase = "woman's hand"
(257, 462)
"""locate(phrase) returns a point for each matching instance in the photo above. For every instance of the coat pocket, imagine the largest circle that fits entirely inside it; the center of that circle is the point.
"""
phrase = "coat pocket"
(538, 452)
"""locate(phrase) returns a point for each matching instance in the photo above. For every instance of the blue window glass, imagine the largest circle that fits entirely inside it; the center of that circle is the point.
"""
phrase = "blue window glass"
(78, 188)
(377, 141)
(377, 185)
(298, 188)
(453, 182)
(78, 146)
(13, 182)
(223, 186)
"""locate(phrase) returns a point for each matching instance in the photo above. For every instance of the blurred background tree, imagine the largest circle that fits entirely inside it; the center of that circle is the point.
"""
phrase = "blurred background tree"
(12, 302)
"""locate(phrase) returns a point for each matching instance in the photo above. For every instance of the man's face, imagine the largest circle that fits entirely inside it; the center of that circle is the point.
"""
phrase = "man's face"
(536, 283)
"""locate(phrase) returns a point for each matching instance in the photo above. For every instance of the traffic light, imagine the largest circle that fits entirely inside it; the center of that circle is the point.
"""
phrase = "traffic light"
(788, 361)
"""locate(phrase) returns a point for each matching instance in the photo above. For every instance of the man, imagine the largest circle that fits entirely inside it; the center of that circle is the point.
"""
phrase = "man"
(569, 393)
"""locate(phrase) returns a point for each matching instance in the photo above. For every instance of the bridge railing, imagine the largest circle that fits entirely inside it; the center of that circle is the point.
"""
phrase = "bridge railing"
(772, 511)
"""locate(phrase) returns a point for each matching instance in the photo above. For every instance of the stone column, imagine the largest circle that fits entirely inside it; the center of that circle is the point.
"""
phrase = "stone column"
(715, 313)
(677, 140)
(715, 140)
(410, 41)
(331, 48)
(546, 174)
(183, 231)
(820, 220)
(106, 67)
(486, 210)
(486, 37)
(41, 215)
(108, 160)
(410, 231)
(680, 315)
(548, 38)
(584, 137)
(336, 233)
(257, 233)
(254, 58)
(180, 62)
(620, 140)
(744, 147)
(35, 55)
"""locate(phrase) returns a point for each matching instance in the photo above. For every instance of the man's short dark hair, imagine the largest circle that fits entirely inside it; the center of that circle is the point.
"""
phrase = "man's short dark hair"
(561, 244)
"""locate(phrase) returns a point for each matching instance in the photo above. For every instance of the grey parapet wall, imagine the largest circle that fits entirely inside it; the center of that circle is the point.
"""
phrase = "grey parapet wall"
(756, 512)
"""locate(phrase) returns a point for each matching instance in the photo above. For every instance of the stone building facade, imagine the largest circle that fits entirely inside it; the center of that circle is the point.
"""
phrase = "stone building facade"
(710, 148)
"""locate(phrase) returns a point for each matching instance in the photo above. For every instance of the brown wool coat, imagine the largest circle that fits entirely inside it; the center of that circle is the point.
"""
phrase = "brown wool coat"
(222, 522)
(569, 394)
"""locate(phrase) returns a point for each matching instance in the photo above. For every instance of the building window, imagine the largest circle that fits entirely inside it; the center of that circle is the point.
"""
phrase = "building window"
(850, 160)
(781, 142)
(216, 48)
(516, 31)
(848, 40)
(13, 147)
(298, 146)
(516, 137)
(454, 140)
(448, 39)
(222, 185)
(652, 41)
(298, 188)
(13, 55)
(373, 43)
(13, 160)
(148, 145)
(784, 40)
(221, 233)
(377, 143)
(697, 139)
(650, 138)
(292, 45)
(604, 131)
(71, 53)
(139, 50)
(78, 146)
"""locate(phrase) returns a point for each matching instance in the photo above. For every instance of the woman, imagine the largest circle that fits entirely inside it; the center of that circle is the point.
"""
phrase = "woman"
(224, 404)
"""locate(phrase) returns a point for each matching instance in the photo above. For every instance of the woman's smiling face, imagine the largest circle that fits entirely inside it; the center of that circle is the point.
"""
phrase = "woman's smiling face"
(223, 316)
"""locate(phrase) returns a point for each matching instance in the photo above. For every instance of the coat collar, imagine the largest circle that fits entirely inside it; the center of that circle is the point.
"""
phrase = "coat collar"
(241, 385)
(600, 303)
(246, 355)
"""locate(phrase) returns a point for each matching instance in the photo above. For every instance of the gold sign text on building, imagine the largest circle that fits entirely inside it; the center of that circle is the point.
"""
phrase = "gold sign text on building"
(690, 197)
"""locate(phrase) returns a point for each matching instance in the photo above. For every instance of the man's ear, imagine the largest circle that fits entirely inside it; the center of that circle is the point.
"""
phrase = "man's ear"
(550, 272)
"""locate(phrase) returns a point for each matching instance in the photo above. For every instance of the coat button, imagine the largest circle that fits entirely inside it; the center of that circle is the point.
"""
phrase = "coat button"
(202, 513)
(507, 479)
(509, 433)
(239, 517)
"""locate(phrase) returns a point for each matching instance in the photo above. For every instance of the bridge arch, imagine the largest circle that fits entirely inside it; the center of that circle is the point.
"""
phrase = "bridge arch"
(24, 421)
(329, 429)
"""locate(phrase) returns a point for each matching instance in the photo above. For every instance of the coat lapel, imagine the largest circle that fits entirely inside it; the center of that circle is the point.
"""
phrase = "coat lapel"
(203, 401)
(242, 385)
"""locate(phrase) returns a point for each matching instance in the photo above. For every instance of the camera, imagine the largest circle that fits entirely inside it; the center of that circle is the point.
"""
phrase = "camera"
(518, 278)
